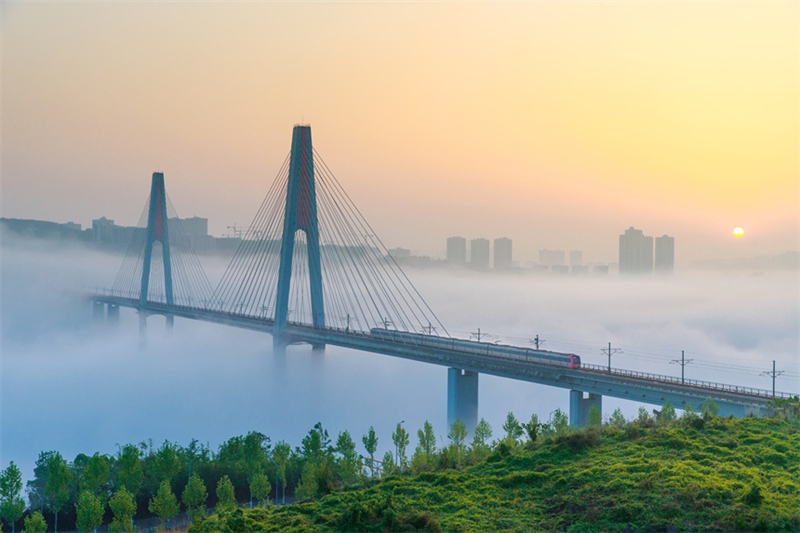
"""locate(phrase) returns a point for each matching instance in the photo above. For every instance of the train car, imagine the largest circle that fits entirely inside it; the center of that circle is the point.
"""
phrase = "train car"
(478, 348)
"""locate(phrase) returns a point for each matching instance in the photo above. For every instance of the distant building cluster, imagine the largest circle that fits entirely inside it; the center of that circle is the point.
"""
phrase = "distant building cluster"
(480, 256)
(638, 255)
(105, 234)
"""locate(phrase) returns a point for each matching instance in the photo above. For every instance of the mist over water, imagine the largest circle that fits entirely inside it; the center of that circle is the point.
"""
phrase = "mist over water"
(78, 386)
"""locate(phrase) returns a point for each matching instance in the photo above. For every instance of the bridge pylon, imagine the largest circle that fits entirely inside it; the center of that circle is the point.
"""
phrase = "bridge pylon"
(300, 215)
(157, 230)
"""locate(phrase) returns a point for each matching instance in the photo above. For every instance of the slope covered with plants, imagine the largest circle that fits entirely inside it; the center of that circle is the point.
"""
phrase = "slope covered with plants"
(696, 473)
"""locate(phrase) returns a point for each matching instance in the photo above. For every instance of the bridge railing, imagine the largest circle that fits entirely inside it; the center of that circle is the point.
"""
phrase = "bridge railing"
(710, 385)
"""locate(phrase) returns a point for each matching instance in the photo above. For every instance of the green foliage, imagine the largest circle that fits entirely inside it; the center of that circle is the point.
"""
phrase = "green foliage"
(195, 495)
(401, 440)
(617, 419)
(89, 511)
(260, 487)
(95, 476)
(308, 488)
(668, 412)
(425, 453)
(388, 465)
(35, 523)
(123, 505)
(164, 504)
(730, 475)
(166, 462)
(58, 484)
(281, 454)
(560, 422)
(348, 462)
(11, 504)
(512, 428)
(226, 497)
(643, 415)
(370, 441)
(709, 408)
(480, 441)
(595, 418)
(458, 434)
(128, 469)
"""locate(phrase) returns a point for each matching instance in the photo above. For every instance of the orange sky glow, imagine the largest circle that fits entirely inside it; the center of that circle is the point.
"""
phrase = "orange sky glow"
(558, 124)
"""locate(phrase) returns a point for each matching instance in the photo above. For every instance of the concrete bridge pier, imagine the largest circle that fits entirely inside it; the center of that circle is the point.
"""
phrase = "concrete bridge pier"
(579, 407)
(113, 314)
(142, 329)
(462, 398)
(170, 323)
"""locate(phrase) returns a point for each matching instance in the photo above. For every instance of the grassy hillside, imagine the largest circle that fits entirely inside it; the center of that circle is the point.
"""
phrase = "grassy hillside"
(692, 474)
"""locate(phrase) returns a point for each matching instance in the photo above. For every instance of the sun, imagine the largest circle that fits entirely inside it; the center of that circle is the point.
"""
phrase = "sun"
(738, 233)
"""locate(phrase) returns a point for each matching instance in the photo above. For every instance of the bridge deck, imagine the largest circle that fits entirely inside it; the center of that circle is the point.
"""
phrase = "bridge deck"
(630, 385)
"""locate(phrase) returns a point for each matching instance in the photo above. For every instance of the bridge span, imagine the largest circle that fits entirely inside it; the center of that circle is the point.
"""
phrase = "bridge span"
(310, 269)
(587, 384)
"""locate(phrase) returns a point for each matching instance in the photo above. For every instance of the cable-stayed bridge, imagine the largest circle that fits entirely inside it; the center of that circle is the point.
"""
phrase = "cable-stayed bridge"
(311, 270)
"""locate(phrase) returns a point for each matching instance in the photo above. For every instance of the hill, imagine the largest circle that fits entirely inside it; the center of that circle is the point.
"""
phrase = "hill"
(691, 474)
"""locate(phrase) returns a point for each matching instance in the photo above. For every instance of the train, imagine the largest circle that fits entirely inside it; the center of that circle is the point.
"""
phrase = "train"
(568, 360)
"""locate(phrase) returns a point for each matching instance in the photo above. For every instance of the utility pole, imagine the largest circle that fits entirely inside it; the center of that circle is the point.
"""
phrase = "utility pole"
(773, 375)
(477, 335)
(429, 329)
(683, 362)
(537, 341)
(387, 323)
(609, 353)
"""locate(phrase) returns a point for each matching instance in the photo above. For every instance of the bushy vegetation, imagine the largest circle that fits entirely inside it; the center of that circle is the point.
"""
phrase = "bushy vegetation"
(657, 472)
(696, 473)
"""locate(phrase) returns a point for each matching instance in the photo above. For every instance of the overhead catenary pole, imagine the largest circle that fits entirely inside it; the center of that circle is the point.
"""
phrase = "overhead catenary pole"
(773, 375)
(610, 352)
(683, 362)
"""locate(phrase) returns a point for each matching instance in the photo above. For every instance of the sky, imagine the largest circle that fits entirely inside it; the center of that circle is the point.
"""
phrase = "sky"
(557, 124)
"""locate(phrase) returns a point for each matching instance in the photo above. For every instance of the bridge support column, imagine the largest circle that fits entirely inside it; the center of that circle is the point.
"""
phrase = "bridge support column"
(98, 310)
(142, 329)
(170, 323)
(113, 313)
(579, 407)
(462, 398)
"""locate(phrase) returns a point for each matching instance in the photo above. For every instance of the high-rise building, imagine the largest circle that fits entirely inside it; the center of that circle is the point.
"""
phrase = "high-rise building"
(635, 252)
(479, 253)
(502, 253)
(665, 254)
(456, 250)
(551, 257)
(575, 258)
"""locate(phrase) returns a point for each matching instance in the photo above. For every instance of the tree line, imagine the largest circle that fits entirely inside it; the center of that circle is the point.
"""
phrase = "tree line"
(145, 480)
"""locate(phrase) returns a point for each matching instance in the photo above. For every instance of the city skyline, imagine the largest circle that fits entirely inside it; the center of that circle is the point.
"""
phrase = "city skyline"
(552, 124)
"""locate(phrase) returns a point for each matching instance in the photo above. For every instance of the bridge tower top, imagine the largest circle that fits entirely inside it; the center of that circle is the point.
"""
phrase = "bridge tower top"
(157, 230)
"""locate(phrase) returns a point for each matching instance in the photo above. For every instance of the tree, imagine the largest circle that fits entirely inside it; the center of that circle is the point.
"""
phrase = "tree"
(164, 504)
(425, 452)
(668, 412)
(129, 469)
(532, 428)
(370, 441)
(260, 488)
(348, 464)
(709, 409)
(123, 505)
(194, 496)
(89, 511)
(281, 455)
(58, 483)
(643, 415)
(11, 504)
(480, 441)
(388, 464)
(617, 419)
(166, 462)
(560, 422)
(458, 434)
(400, 439)
(226, 497)
(35, 523)
(512, 428)
(595, 418)
(689, 411)
(95, 476)
(308, 487)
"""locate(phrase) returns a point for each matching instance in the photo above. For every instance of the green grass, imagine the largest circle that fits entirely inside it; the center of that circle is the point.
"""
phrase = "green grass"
(693, 475)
